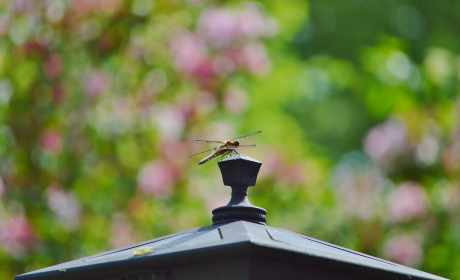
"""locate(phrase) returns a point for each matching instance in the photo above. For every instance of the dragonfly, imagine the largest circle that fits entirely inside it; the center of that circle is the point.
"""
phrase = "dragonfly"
(225, 148)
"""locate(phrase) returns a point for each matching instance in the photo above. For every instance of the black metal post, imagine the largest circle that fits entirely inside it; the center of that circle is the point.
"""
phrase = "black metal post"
(239, 172)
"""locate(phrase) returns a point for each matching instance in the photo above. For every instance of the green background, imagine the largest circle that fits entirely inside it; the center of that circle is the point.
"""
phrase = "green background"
(358, 102)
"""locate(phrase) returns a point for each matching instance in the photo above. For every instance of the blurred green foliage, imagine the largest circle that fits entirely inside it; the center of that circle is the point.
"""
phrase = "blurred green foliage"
(358, 101)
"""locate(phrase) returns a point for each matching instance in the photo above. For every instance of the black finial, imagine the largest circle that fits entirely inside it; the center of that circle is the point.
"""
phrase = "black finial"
(239, 172)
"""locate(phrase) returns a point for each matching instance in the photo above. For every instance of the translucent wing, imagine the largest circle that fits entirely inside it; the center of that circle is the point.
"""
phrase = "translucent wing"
(206, 142)
(212, 150)
(247, 136)
(240, 147)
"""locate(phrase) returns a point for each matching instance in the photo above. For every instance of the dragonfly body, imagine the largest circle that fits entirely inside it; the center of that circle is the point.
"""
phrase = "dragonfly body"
(227, 147)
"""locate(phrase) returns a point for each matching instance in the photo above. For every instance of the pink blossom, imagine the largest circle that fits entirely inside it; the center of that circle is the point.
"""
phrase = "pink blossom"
(16, 235)
(221, 27)
(5, 22)
(53, 66)
(204, 73)
(272, 163)
(121, 109)
(2, 187)
(235, 100)
(218, 200)
(96, 82)
(51, 141)
(175, 151)
(33, 46)
(274, 166)
(359, 190)
(24, 6)
(385, 140)
(218, 26)
(190, 56)
(451, 155)
(223, 65)
(292, 174)
(404, 249)
(158, 178)
(253, 57)
(58, 93)
(205, 103)
(170, 121)
(252, 23)
(189, 51)
(65, 206)
(84, 7)
(406, 202)
(427, 150)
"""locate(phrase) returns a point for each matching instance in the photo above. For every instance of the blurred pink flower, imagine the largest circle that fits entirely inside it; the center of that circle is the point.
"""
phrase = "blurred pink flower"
(122, 234)
(84, 7)
(223, 65)
(53, 66)
(175, 151)
(428, 149)
(235, 100)
(222, 27)
(51, 141)
(121, 109)
(205, 103)
(5, 21)
(24, 6)
(218, 26)
(253, 24)
(272, 163)
(253, 58)
(214, 201)
(96, 82)
(2, 187)
(65, 206)
(452, 197)
(406, 202)
(189, 51)
(451, 157)
(275, 167)
(158, 178)
(292, 175)
(404, 249)
(33, 46)
(170, 121)
(359, 190)
(16, 235)
(58, 93)
(386, 140)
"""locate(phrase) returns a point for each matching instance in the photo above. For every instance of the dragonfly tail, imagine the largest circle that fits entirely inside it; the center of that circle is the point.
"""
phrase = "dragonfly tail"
(206, 159)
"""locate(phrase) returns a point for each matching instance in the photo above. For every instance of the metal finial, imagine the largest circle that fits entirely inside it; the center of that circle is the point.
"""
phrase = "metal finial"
(239, 172)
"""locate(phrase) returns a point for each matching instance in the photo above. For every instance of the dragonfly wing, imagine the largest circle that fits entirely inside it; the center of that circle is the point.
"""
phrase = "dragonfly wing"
(203, 152)
(240, 147)
(247, 136)
(206, 142)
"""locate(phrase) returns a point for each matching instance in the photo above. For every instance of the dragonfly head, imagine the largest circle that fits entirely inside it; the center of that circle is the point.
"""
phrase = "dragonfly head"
(237, 142)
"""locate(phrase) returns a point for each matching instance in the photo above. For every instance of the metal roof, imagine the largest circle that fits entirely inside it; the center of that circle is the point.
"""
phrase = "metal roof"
(233, 239)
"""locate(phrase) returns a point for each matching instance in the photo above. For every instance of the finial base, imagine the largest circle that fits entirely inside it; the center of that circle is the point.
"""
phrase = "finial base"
(226, 214)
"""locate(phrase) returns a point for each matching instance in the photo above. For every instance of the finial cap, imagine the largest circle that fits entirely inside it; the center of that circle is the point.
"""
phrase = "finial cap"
(239, 170)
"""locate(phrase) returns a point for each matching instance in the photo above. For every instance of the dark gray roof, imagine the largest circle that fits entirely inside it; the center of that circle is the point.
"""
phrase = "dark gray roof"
(233, 239)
